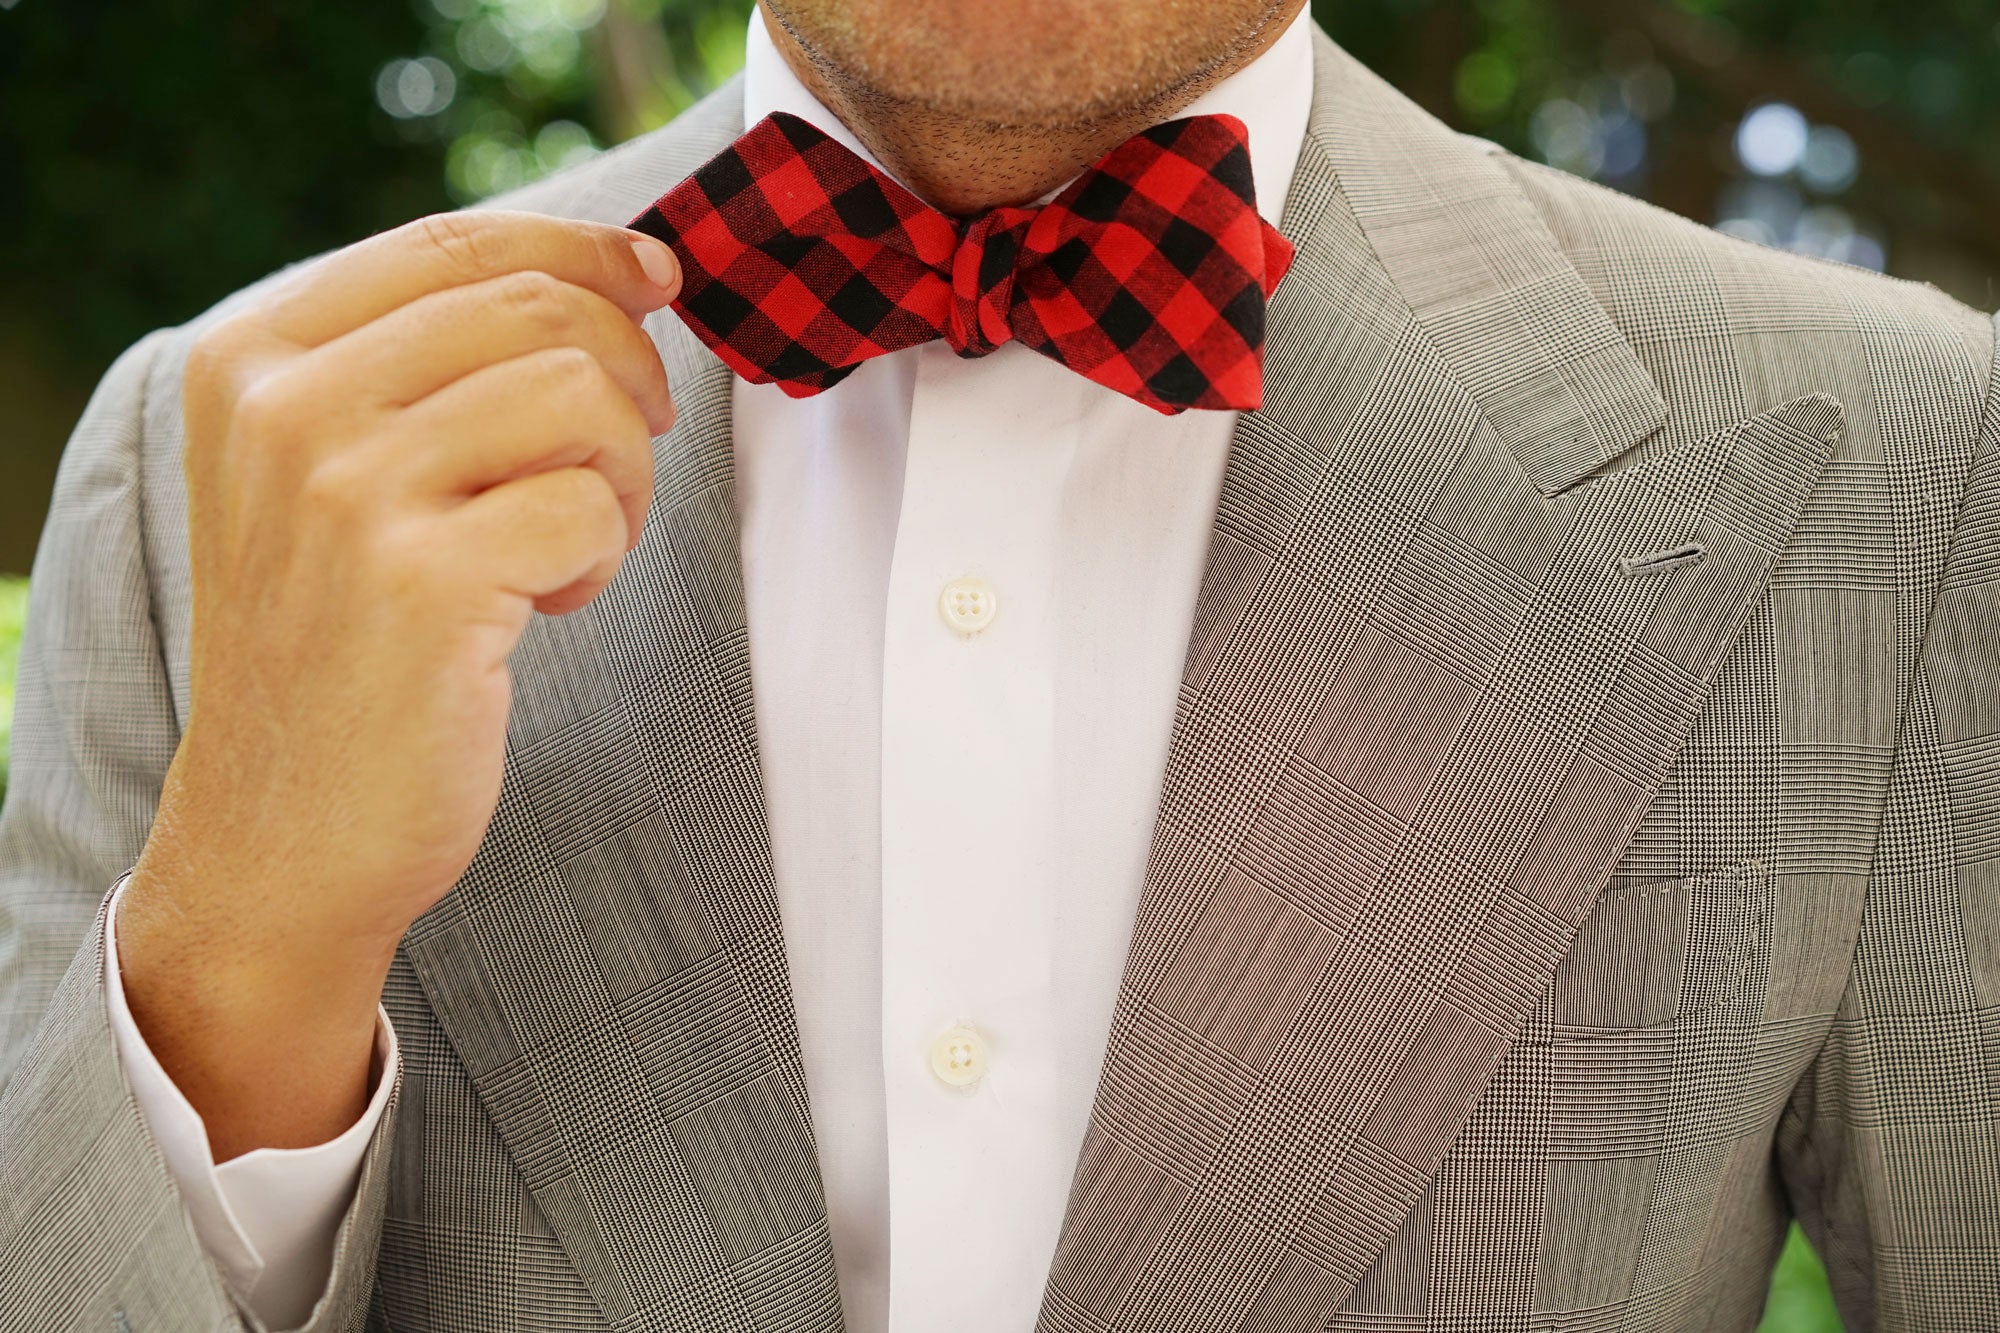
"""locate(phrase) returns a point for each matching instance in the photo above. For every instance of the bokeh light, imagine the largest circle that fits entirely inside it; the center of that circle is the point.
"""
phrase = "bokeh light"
(1567, 134)
(407, 89)
(1772, 139)
(1831, 162)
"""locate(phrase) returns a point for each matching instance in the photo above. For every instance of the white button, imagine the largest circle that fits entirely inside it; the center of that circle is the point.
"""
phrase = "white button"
(968, 605)
(958, 1057)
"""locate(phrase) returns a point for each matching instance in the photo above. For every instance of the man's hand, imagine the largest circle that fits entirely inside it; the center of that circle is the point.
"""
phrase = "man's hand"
(390, 462)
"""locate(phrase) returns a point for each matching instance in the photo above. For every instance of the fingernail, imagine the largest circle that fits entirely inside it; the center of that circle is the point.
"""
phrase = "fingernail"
(659, 262)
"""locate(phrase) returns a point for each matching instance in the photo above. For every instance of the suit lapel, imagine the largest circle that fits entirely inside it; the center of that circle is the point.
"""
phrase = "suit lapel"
(611, 969)
(1435, 678)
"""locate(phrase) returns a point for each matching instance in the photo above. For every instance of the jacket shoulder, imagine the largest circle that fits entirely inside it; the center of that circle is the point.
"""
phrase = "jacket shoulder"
(1782, 324)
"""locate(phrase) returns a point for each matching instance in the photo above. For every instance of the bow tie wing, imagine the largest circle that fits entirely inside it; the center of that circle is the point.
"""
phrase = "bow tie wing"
(1149, 274)
(799, 260)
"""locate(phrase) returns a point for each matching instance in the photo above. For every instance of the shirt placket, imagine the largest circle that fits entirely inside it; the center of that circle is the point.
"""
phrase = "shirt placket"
(969, 1004)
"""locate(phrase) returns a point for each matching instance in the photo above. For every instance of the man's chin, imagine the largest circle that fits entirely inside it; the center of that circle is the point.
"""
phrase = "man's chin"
(1054, 63)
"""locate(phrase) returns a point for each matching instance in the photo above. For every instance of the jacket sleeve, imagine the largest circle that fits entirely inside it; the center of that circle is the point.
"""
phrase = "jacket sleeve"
(93, 1233)
(1890, 1147)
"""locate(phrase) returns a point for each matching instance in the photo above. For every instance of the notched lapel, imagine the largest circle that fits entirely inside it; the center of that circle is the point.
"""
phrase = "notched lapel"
(611, 969)
(1425, 706)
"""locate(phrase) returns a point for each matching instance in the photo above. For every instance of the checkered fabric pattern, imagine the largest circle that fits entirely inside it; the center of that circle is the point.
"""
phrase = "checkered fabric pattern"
(1148, 274)
(1577, 856)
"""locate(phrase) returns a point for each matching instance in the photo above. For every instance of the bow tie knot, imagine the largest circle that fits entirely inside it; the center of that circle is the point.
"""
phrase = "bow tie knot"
(982, 280)
(1148, 274)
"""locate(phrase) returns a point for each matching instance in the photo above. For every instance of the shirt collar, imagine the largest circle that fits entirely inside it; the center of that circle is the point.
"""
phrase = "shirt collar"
(1272, 96)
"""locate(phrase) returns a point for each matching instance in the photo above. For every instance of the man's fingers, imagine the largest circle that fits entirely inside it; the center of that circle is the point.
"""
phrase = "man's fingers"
(422, 346)
(348, 288)
(553, 409)
(555, 538)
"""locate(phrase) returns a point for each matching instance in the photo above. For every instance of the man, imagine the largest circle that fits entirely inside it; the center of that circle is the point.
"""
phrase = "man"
(1472, 825)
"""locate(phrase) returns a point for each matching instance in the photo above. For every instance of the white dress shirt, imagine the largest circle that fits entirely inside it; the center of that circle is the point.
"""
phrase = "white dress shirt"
(970, 586)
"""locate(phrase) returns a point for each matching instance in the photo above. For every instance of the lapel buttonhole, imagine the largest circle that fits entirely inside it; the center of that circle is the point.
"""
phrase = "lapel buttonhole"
(1660, 562)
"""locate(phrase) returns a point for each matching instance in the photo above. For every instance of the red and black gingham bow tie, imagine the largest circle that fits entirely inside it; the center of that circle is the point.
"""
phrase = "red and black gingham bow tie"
(1148, 274)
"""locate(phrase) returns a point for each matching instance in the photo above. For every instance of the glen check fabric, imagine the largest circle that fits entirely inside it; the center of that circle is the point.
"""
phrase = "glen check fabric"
(1579, 849)
(1147, 274)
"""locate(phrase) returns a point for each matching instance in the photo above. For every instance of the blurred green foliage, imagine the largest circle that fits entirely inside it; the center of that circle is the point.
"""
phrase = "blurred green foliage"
(1799, 1301)
(168, 152)
(13, 611)
(165, 154)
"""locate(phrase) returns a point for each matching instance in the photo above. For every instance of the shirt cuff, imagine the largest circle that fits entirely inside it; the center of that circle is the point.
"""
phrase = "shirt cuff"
(269, 1218)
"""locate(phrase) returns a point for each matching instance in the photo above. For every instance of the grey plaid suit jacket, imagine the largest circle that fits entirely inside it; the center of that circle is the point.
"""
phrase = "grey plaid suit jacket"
(1579, 850)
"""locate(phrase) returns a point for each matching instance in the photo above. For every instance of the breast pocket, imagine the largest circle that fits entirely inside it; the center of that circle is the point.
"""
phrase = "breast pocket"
(1669, 954)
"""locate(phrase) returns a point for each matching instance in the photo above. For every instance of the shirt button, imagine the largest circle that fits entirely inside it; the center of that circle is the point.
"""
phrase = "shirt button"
(968, 605)
(958, 1057)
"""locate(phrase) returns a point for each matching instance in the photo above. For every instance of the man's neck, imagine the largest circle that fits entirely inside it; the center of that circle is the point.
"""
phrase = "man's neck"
(965, 165)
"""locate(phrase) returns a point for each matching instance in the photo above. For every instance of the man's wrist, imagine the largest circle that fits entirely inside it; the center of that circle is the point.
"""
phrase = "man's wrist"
(269, 1034)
